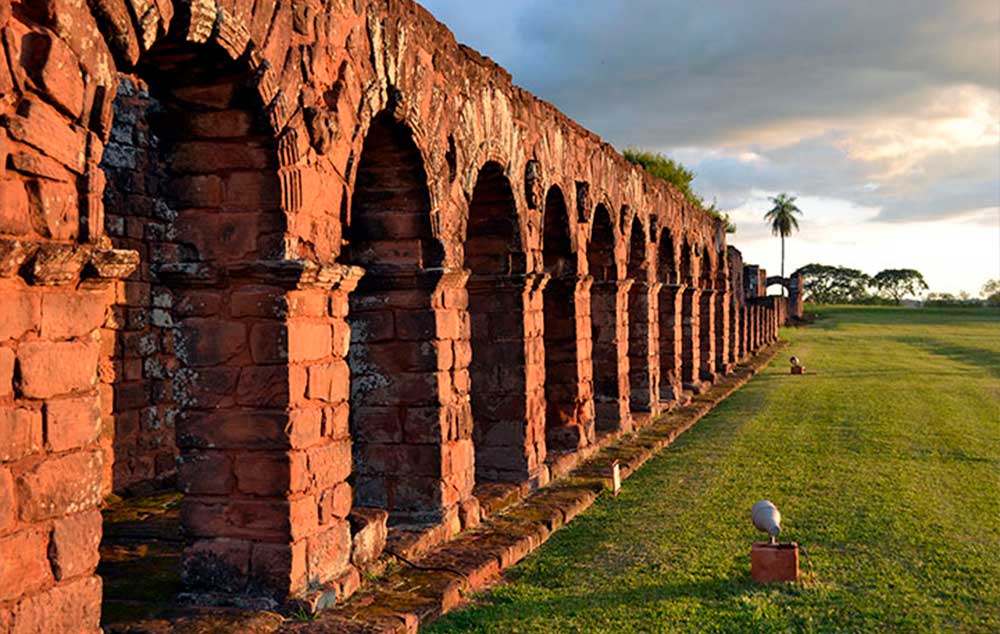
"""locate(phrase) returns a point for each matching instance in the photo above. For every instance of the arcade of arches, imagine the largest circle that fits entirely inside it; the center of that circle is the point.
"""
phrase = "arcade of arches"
(324, 271)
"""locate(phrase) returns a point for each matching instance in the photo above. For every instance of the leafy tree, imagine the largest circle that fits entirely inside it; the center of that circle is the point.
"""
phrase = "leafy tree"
(991, 292)
(823, 284)
(665, 168)
(783, 221)
(898, 283)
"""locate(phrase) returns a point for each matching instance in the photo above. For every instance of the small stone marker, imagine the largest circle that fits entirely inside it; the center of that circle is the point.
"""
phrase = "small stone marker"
(616, 477)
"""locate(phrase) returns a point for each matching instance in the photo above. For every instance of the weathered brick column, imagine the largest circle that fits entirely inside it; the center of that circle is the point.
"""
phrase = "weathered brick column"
(508, 374)
(52, 311)
(609, 320)
(264, 439)
(411, 420)
(707, 341)
(691, 339)
(723, 333)
(643, 347)
(671, 334)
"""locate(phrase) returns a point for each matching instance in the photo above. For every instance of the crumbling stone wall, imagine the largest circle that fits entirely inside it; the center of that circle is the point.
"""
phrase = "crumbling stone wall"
(286, 243)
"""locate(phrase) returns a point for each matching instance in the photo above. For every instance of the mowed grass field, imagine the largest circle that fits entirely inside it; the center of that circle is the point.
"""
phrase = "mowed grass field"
(884, 460)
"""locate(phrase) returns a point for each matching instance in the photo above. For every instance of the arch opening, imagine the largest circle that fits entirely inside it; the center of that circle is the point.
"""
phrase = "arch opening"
(393, 356)
(503, 446)
(607, 358)
(642, 373)
(201, 348)
(566, 424)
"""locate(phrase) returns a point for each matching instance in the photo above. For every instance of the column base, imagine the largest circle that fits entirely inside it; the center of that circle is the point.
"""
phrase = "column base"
(696, 387)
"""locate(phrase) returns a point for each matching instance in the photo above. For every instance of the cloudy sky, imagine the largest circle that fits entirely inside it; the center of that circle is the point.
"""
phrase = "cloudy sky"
(882, 117)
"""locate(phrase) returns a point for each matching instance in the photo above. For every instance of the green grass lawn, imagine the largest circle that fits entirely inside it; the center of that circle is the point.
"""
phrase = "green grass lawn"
(884, 460)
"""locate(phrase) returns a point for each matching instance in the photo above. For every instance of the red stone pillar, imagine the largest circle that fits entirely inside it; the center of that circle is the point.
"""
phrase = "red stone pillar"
(51, 461)
(671, 334)
(723, 334)
(586, 415)
(411, 421)
(643, 348)
(690, 339)
(508, 377)
(609, 326)
(733, 356)
(264, 439)
(707, 335)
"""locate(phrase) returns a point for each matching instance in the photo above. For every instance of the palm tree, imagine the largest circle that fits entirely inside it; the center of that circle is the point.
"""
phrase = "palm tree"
(783, 221)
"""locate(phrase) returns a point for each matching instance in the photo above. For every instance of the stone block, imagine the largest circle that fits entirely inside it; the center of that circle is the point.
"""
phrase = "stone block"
(20, 313)
(54, 67)
(24, 563)
(59, 486)
(70, 607)
(309, 341)
(71, 423)
(73, 550)
(42, 126)
(205, 473)
(8, 505)
(50, 369)
(6, 373)
(368, 535)
(21, 431)
(329, 552)
(74, 314)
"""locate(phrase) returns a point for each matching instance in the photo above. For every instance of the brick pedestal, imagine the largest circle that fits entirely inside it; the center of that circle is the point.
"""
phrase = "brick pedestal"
(774, 563)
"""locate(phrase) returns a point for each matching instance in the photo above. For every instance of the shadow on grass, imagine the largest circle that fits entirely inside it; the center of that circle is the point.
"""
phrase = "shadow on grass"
(988, 360)
(573, 605)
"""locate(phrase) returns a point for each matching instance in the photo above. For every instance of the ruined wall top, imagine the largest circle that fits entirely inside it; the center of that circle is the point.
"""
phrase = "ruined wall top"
(322, 71)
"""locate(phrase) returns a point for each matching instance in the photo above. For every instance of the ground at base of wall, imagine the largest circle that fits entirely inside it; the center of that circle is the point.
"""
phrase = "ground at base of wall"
(409, 594)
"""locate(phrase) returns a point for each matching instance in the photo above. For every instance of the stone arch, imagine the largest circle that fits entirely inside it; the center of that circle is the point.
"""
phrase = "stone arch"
(567, 427)
(666, 258)
(509, 443)
(395, 408)
(608, 299)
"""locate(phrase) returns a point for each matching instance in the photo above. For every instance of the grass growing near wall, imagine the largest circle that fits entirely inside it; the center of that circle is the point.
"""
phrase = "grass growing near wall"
(884, 459)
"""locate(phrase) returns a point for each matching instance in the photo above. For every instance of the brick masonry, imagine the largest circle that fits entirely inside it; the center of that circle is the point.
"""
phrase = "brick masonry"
(299, 257)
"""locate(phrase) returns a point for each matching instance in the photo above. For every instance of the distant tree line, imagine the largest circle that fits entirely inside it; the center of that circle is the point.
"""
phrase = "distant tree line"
(824, 284)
